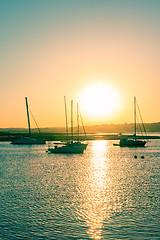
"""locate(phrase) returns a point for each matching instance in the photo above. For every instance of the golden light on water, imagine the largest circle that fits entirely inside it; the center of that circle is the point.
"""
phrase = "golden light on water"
(99, 100)
(96, 200)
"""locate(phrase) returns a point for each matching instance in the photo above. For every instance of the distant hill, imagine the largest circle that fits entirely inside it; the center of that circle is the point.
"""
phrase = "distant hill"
(103, 128)
(122, 128)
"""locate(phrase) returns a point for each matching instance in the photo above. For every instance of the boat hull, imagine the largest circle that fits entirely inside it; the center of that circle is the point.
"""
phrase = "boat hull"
(28, 141)
(65, 150)
(71, 148)
(132, 143)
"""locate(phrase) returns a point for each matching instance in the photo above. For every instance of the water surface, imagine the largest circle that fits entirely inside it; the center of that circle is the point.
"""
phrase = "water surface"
(104, 193)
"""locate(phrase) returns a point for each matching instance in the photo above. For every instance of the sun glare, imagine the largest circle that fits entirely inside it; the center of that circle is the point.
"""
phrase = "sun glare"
(99, 100)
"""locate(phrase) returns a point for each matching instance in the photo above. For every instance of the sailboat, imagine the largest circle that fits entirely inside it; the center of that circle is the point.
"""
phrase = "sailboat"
(28, 140)
(132, 142)
(70, 146)
(77, 143)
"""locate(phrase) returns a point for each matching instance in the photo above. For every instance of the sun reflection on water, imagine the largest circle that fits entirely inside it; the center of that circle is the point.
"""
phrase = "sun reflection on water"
(96, 187)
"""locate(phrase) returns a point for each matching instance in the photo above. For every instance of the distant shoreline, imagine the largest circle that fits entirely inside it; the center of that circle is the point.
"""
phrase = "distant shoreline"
(94, 132)
(62, 136)
(101, 128)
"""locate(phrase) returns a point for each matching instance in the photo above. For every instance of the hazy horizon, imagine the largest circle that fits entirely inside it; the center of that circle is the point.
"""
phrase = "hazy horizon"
(102, 128)
(98, 53)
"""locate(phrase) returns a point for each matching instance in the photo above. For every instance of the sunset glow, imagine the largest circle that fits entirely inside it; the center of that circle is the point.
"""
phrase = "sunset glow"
(99, 100)
(105, 51)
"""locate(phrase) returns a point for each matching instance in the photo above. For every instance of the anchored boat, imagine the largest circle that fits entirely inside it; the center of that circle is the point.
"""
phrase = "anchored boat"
(133, 141)
(28, 140)
(70, 146)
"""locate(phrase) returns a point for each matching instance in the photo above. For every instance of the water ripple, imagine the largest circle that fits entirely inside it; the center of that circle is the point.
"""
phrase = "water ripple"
(104, 193)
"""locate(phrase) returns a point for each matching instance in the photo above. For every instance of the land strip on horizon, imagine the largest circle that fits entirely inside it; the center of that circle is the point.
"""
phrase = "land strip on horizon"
(103, 131)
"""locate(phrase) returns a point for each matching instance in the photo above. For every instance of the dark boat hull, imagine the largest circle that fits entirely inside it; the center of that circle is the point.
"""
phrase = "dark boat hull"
(76, 147)
(28, 141)
(132, 143)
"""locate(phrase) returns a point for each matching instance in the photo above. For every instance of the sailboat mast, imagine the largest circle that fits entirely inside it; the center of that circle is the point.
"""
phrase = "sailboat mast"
(66, 117)
(72, 120)
(28, 117)
(78, 121)
(135, 117)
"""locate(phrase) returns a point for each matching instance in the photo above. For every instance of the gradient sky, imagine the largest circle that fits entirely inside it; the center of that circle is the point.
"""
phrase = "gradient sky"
(51, 48)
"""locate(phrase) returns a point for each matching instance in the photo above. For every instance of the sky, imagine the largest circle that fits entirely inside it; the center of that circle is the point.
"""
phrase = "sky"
(50, 49)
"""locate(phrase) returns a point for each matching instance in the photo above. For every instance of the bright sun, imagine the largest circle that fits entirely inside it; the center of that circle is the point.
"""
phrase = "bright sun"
(99, 100)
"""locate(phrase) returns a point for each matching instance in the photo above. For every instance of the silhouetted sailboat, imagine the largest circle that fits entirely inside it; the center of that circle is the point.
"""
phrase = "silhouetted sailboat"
(70, 146)
(132, 142)
(28, 140)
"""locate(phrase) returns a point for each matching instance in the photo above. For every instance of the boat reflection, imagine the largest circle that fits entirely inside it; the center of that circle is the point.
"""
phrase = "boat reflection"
(96, 203)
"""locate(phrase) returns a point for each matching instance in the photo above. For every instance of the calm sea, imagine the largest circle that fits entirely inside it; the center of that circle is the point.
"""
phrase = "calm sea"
(104, 193)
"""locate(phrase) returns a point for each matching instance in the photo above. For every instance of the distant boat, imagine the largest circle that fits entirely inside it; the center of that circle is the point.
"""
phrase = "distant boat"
(28, 140)
(132, 142)
(70, 146)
